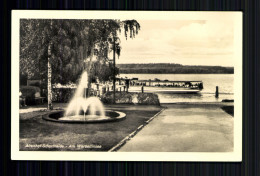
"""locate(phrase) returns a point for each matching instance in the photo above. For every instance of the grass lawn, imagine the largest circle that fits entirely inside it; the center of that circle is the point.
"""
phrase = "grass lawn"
(37, 134)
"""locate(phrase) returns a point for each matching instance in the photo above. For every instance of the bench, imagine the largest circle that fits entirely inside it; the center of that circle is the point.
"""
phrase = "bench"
(38, 98)
(31, 95)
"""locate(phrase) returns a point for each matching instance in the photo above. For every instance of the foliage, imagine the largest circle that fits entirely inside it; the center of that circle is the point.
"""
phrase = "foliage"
(74, 43)
(102, 71)
(62, 95)
(132, 26)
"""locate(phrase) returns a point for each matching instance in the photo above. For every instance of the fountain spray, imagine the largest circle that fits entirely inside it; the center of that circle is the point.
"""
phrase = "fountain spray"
(81, 101)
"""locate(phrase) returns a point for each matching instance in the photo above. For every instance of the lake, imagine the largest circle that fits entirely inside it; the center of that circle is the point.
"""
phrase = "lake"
(225, 82)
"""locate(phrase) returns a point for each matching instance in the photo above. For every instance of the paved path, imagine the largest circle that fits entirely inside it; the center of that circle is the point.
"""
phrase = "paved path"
(185, 128)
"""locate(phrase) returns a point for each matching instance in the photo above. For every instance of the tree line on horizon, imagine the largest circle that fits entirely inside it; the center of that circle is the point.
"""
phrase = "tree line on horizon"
(161, 68)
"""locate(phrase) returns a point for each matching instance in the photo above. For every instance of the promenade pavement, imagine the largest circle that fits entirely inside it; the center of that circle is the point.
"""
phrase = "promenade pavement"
(185, 128)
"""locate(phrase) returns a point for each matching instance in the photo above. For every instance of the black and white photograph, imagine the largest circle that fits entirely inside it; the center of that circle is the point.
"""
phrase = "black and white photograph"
(126, 85)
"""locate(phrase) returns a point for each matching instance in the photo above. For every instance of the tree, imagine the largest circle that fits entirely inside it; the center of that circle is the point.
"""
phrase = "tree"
(61, 49)
(106, 40)
(56, 44)
(30, 48)
(129, 25)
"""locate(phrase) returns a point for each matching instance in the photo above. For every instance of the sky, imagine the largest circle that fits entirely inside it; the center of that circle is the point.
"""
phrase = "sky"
(206, 41)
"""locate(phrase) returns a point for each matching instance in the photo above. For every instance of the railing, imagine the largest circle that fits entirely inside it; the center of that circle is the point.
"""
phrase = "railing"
(100, 90)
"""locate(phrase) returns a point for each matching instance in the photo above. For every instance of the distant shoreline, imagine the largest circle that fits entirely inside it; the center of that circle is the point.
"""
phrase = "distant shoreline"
(165, 68)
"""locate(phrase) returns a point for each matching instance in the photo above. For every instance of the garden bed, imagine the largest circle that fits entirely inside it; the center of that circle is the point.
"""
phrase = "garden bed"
(37, 134)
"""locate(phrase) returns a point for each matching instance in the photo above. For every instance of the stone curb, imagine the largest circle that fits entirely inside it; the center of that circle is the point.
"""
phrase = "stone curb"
(131, 135)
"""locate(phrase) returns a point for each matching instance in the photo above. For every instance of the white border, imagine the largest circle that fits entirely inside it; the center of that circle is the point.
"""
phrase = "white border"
(125, 156)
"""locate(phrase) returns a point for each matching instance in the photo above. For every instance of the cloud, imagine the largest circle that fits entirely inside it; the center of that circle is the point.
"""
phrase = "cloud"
(181, 41)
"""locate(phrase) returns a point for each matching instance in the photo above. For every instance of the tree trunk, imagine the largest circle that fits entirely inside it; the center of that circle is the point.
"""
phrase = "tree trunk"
(49, 86)
(49, 79)
(114, 75)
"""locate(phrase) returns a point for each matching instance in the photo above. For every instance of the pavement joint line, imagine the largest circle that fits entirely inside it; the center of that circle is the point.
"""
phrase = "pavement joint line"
(131, 135)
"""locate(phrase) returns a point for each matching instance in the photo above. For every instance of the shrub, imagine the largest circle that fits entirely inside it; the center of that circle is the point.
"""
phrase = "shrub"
(148, 99)
(122, 97)
(131, 98)
(29, 93)
(62, 95)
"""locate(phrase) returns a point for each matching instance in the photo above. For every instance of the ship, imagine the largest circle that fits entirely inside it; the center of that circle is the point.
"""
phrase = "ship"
(164, 86)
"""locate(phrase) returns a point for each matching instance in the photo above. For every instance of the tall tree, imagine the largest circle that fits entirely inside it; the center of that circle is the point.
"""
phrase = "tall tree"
(133, 27)
(67, 47)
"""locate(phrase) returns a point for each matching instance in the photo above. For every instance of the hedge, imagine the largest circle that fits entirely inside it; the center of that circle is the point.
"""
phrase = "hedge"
(131, 98)
(62, 95)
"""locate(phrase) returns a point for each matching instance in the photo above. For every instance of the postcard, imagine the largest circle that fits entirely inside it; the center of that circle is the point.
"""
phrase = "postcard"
(126, 85)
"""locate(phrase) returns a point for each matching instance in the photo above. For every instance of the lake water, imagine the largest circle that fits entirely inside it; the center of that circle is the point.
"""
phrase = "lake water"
(225, 82)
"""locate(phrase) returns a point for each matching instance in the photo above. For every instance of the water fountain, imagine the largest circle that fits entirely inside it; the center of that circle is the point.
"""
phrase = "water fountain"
(83, 109)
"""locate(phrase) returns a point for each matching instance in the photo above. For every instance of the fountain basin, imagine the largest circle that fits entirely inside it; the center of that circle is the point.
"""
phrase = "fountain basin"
(110, 116)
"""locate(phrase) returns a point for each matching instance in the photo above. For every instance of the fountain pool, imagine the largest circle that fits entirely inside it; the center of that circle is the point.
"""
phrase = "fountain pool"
(83, 109)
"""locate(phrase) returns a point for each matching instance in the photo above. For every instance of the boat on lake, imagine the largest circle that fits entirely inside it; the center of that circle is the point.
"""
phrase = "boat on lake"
(165, 86)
